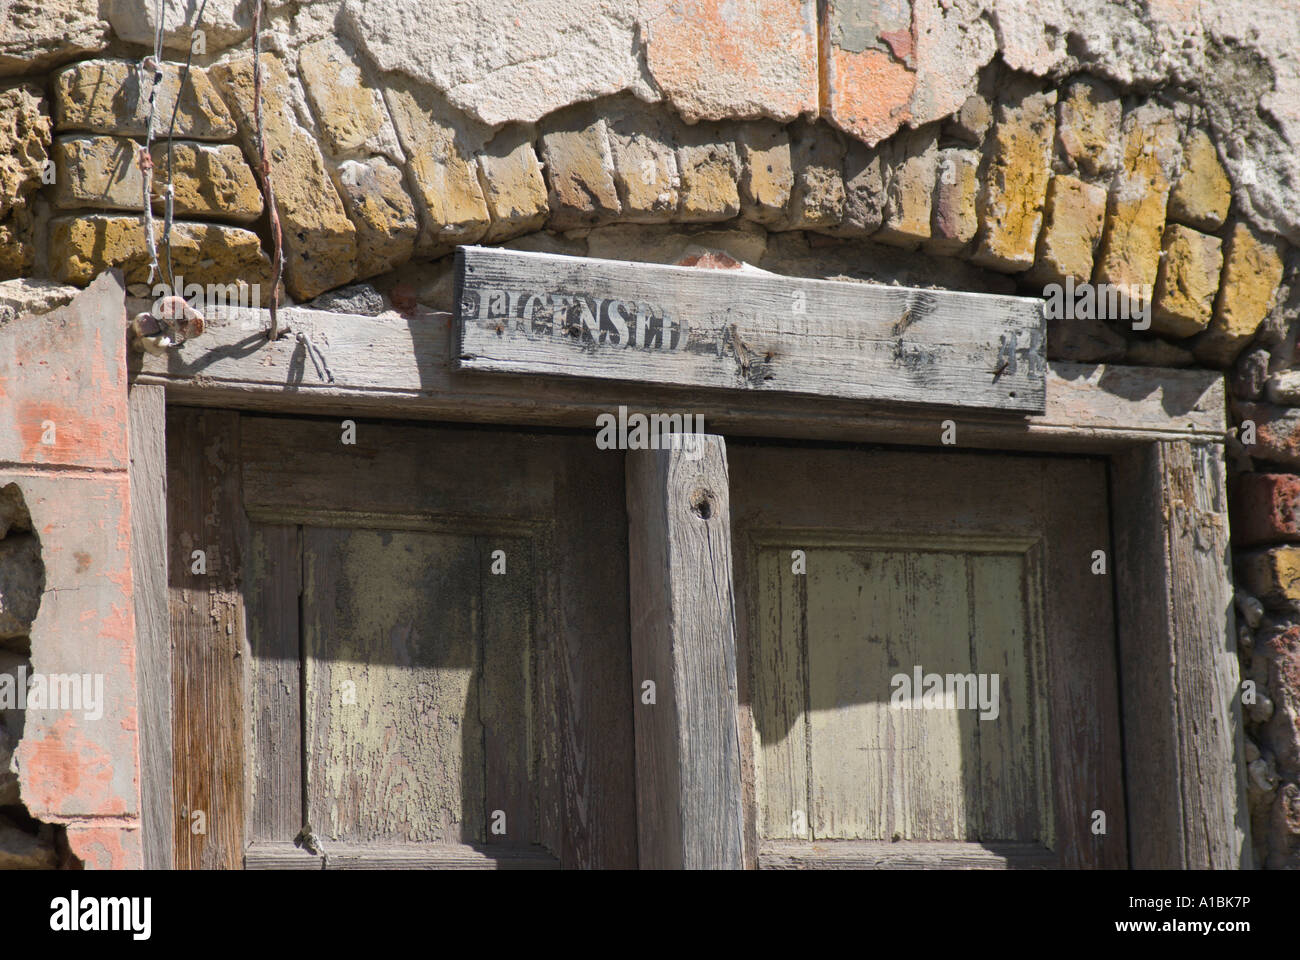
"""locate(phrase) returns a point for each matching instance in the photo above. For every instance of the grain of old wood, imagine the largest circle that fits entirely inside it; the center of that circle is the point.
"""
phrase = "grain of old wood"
(205, 513)
(272, 588)
(282, 855)
(539, 313)
(1183, 749)
(468, 692)
(835, 752)
(1083, 668)
(148, 477)
(873, 855)
(395, 744)
(958, 562)
(683, 641)
(404, 367)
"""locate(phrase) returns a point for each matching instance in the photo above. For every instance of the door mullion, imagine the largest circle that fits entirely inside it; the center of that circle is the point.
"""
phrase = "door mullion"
(689, 800)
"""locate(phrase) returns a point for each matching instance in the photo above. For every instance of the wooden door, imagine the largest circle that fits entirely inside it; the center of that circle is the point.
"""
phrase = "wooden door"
(855, 569)
(435, 671)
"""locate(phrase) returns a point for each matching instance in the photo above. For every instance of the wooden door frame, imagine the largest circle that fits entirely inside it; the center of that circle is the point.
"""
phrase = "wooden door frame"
(1162, 431)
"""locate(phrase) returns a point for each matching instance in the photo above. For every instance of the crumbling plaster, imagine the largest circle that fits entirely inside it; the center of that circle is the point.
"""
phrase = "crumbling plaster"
(1240, 57)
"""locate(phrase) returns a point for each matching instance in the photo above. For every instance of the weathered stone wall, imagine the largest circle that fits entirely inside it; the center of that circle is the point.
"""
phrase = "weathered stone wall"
(991, 145)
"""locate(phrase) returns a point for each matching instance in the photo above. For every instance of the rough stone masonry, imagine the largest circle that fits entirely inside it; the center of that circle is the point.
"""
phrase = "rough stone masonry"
(985, 145)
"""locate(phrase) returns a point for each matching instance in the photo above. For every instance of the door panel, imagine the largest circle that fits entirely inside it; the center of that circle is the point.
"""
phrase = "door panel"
(438, 673)
(416, 706)
(858, 787)
(855, 568)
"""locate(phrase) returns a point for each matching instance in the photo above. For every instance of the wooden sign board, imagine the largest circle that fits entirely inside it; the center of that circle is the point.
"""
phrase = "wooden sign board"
(746, 329)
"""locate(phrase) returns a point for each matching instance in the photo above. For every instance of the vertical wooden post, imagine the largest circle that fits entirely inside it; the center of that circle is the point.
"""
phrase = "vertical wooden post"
(148, 481)
(205, 515)
(1183, 744)
(689, 811)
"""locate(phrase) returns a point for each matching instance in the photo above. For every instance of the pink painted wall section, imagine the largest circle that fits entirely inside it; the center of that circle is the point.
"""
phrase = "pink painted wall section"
(890, 63)
(107, 846)
(723, 59)
(63, 439)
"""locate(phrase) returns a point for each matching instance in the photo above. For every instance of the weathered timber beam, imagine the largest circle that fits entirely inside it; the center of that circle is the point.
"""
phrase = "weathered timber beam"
(689, 812)
(398, 367)
(148, 479)
(1183, 747)
(746, 330)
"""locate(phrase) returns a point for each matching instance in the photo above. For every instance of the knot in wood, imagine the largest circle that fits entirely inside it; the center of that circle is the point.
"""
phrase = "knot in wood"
(702, 503)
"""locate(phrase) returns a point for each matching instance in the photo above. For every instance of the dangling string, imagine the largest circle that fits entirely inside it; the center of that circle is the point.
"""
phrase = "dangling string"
(153, 64)
(268, 190)
(171, 131)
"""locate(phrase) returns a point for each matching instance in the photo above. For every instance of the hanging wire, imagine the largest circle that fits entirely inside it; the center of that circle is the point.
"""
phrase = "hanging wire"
(154, 64)
(171, 131)
(268, 190)
(317, 355)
